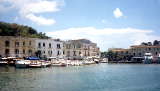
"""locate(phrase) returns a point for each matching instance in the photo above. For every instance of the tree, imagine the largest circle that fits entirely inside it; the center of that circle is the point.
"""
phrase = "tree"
(13, 29)
(155, 42)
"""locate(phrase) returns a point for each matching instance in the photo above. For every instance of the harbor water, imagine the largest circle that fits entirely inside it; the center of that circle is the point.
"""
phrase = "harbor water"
(96, 77)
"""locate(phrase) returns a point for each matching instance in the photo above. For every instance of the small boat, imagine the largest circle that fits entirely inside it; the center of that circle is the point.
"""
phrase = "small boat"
(148, 58)
(63, 64)
(96, 61)
(46, 64)
(104, 60)
(3, 63)
(22, 63)
(35, 64)
(59, 64)
(88, 62)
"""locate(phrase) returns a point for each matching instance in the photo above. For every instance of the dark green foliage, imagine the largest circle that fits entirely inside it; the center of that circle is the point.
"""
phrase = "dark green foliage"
(13, 29)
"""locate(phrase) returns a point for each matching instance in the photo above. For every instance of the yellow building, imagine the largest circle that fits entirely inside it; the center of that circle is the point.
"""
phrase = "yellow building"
(79, 49)
(12, 46)
(120, 51)
(137, 50)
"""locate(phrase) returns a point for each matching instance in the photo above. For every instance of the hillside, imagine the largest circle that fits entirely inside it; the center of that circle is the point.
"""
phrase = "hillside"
(13, 29)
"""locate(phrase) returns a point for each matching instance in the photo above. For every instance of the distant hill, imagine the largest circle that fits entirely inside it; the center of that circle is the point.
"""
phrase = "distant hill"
(13, 29)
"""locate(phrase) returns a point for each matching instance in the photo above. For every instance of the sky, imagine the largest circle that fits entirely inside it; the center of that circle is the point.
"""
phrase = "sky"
(109, 23)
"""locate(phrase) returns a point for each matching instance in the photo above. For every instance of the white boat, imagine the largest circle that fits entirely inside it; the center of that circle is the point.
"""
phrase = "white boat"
(22, 63)
(86, 62)
(46, 64)
(148, 58)
(35, 64)
(59, 64)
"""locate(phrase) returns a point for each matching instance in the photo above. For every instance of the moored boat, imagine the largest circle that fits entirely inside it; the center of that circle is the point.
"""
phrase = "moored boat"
(35, 64)
(22, 63)
(148, 58)
(46, 63)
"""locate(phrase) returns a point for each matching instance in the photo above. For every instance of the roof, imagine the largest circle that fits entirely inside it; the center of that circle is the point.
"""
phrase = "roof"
(144, 46)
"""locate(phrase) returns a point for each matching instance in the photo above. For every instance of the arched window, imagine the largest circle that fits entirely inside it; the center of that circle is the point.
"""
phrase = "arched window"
(49, 45)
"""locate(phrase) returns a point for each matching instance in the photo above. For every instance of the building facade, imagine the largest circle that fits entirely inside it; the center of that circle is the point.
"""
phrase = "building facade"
(120, 51)
(49, 48)
(16, 46)
(12, 46)
(138, 50)
(79, 49)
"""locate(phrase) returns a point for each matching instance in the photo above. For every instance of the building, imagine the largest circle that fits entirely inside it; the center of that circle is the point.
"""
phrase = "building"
(16, 46)
(12, 46)
(137, 50)
(140, 50)
(49, 48)
(79, 49)
(120, 51)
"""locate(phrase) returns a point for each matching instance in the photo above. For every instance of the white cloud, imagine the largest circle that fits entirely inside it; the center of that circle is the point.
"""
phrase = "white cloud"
(33, 9)
(40, 20)
(107, 37)
(117, 13)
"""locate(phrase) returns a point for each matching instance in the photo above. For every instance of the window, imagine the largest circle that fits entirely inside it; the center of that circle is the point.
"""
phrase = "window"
(49, 45)
(23, 51)
(134, 54)
(58, 46)
(17, 44)
(7, 43)
(39, 45)
(30, 51)
(88, 54)
(7, 51)
(30, 43)
(74, 46)
(16, 51)
(63, 52)
(74, 53)
(23, 43)
(58, 53)
(140, 54)
(43, 44)
(68, 53)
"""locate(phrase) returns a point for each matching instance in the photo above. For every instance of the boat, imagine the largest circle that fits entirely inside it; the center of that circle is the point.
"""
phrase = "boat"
(46, 63)
(86, 62)
(22, 63)
(148, 58)
(35, 64)
(96, 61)
(59, 64)
(3, 62)
(104, 60)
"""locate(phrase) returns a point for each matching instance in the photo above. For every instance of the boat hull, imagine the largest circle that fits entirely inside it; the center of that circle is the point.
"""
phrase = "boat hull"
(21, 65)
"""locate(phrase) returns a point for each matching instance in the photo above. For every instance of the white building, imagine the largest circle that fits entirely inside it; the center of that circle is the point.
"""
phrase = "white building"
(49, 48)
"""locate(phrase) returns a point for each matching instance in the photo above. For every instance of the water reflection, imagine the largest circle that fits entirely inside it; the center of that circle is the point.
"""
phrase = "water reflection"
(102, 77)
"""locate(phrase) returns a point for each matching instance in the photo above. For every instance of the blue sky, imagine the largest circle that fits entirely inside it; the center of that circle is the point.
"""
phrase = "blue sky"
(109, 23)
